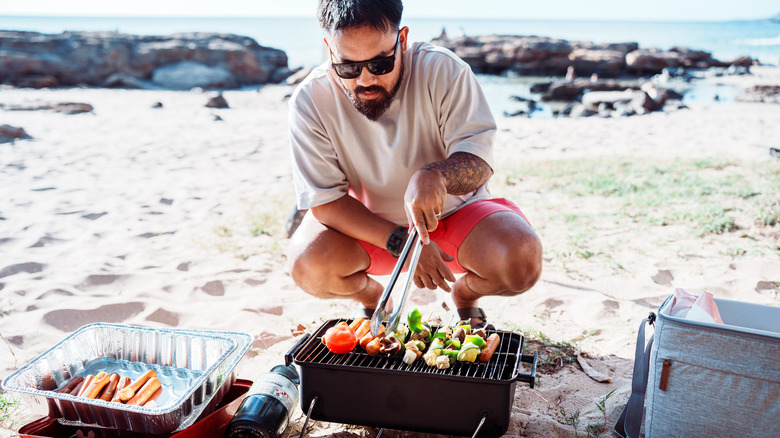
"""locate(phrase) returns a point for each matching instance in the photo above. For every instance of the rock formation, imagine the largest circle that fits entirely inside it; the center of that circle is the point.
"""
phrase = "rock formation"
(533, 55)
(110, 59)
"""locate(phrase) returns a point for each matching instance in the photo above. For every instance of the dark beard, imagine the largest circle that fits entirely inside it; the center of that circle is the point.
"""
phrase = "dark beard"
(373, 109)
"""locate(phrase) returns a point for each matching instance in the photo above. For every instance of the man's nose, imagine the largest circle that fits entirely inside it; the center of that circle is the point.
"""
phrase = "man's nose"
(366, 78)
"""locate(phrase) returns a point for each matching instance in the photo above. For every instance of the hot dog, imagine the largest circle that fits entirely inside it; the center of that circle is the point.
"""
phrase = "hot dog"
(143, 394)
(152, 402)
(364, 328)
(85, 384)
(123, 382)
(97, 384)
(129, 391)
(70, 385)
(491, 343)
(108, 390)
(355, 324)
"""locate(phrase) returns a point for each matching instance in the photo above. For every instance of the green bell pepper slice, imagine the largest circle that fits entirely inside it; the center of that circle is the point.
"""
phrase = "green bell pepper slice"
(474, 339)
(415, 321)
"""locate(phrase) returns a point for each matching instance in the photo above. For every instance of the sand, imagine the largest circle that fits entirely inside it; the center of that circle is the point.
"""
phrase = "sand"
(173, 216)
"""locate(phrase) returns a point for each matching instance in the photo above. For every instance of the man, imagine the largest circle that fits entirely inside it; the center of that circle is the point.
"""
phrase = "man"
(389, 134)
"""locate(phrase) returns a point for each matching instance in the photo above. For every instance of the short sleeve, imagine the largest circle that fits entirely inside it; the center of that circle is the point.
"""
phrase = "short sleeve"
(317, 176)
(465, 119)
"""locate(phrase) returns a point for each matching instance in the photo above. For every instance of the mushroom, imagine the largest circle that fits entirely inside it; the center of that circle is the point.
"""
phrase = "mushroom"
(390, 345)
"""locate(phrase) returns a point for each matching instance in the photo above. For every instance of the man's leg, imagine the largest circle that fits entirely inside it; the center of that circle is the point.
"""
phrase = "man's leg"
(502, 256)
(328, 264)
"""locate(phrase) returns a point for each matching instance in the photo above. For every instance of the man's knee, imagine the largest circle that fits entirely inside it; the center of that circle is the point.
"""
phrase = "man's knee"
(305, 270)
(523, 265)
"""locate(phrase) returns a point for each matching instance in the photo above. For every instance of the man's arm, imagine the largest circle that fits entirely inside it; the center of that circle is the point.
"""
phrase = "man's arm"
(462, 172)
(349, 216)
(425, 196)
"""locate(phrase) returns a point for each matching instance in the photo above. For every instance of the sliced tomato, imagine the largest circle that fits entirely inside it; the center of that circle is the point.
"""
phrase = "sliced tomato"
(340, 339)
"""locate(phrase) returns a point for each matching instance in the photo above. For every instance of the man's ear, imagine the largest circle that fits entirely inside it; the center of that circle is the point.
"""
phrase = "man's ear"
(404, 38)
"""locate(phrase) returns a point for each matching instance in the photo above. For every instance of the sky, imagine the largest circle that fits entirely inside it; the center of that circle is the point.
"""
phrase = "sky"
(653, 10)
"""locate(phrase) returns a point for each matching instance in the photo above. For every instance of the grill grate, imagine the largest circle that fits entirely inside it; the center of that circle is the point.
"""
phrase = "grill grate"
(502, 366)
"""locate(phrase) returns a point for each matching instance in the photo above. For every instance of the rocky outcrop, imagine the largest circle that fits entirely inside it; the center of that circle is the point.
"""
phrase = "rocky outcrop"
(761, 93)
(179, 61)
(533, 55)
(10, 133)
(566, 91)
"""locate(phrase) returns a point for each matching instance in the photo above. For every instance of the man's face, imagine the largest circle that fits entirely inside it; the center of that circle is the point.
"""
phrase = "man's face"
(370, 93)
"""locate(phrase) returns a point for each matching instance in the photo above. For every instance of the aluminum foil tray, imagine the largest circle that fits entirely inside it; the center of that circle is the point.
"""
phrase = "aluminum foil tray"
(194, 367)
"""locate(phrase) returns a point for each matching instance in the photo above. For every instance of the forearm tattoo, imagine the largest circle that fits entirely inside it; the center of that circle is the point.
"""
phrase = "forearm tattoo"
(463, 172)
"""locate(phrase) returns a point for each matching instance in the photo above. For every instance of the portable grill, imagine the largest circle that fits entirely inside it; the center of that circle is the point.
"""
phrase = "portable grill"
(467, 399)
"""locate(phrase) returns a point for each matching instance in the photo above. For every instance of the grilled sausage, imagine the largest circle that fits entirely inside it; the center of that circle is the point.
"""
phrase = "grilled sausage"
(355, 324)
(490, 347)
(123, 382)
(108, 391)
(152, 402)
(364, 328)
(85, 384)
(70, 385)
(142, 395)
(97, 384)
(129, 391)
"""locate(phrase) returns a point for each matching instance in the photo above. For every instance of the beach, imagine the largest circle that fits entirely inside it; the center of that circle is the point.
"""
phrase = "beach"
(157, 211)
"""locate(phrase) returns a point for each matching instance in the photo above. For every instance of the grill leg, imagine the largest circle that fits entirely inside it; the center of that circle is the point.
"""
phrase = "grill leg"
(308, 415)
(479, 426)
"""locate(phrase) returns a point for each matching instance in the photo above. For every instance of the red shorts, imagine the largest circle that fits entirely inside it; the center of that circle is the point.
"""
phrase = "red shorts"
(448, 235)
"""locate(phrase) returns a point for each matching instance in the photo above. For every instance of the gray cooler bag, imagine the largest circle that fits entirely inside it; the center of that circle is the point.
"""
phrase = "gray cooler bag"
(707, 380)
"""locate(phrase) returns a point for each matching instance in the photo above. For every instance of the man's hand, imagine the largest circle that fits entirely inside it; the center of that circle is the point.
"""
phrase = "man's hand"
(424, 201)
(459, 174)
(432, 271)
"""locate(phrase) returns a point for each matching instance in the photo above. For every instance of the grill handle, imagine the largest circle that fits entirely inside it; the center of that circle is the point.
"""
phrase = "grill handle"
(527, 378)
(288, 357)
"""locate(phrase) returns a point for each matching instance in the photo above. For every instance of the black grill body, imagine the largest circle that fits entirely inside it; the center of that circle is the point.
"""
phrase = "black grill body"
(382, 391)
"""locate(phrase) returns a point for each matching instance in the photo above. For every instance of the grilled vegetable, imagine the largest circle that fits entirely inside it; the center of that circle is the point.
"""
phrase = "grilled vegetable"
(437, 344)
(412, 352)
(474, 339)
(390, 345)
(452, 355)
(401, 332)
(415, 321)
(340, 339)
(453, 343)
(468, 352)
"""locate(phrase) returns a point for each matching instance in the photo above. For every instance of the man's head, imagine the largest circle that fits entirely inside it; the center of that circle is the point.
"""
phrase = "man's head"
(366, 45)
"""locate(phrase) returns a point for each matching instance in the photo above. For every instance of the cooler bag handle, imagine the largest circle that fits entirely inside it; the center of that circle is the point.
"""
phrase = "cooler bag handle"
(630, 421)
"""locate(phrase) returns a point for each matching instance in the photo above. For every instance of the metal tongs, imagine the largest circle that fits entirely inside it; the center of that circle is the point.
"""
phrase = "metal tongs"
(381, 313)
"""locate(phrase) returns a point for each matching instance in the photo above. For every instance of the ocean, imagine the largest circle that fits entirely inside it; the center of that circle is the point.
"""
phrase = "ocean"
(301, 38)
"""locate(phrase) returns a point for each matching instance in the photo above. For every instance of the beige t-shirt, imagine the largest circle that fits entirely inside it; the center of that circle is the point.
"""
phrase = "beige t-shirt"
(439, 110)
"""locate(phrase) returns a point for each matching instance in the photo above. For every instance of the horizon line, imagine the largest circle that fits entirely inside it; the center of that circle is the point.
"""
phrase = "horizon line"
(630, 20)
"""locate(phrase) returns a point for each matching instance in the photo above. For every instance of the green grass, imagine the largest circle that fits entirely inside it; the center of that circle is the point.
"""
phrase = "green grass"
(7, 405)
(590, 209)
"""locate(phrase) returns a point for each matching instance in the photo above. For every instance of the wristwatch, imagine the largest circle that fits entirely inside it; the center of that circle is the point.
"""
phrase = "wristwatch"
(396, 241)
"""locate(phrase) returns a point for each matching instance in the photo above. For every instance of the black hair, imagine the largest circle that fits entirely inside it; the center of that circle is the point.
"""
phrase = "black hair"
(334, 15)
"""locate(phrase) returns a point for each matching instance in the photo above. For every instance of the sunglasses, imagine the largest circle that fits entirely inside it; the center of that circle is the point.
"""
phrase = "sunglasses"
(377, 66)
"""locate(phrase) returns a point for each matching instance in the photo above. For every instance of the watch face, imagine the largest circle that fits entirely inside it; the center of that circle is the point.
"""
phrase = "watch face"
(395, 242)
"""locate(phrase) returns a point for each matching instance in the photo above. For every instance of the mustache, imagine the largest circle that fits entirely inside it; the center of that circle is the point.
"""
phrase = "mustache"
(370, 89)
